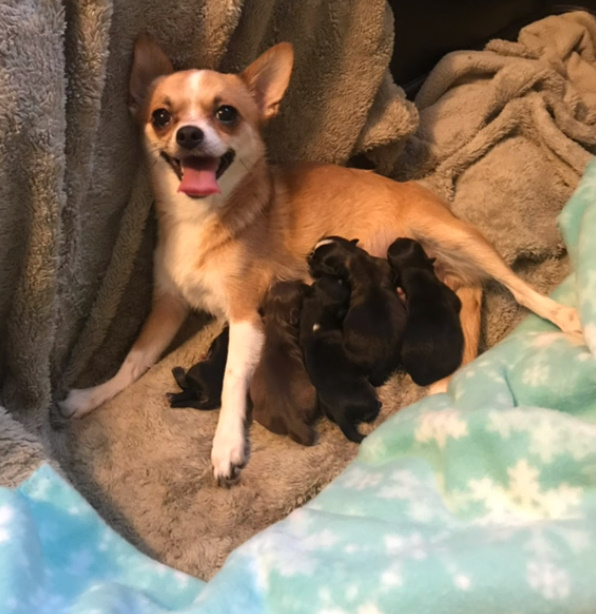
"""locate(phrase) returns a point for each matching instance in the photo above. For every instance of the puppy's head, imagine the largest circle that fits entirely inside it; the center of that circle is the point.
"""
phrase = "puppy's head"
(283, 302)
(330, 256)
(202, 128)
(333, 293)
(407, 253)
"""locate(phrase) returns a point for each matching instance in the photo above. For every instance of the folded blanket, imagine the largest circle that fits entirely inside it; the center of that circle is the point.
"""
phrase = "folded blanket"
(479, 500)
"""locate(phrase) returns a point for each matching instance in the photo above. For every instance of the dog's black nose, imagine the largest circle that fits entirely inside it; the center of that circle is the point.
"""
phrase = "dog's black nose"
(189, 137)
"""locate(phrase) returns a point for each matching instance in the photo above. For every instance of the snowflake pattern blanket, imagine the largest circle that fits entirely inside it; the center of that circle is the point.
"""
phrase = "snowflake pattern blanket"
(479, 500)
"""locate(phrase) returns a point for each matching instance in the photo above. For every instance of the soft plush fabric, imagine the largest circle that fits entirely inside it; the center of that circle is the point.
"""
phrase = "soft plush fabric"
(57, 555)
(479, 500)
(77, 232)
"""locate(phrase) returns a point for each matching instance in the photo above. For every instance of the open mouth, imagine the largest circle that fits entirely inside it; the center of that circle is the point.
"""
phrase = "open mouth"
(198, 175)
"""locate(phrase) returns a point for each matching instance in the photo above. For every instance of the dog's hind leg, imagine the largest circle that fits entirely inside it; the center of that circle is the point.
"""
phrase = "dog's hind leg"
(466, 252)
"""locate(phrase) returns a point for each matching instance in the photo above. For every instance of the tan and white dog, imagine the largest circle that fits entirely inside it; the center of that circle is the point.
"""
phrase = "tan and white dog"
(230, 224)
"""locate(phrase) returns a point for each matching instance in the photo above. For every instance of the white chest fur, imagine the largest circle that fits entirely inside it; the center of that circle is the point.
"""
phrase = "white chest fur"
(181, 267)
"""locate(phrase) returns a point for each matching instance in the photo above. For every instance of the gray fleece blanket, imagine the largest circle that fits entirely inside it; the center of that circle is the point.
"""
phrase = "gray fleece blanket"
(504, 135)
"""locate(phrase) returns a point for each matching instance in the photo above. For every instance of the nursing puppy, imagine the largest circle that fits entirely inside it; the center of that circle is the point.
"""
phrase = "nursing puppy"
(345, 394)
(283, 397)
(376, 318)
(433, 342)
(203, 382)
(231, 224)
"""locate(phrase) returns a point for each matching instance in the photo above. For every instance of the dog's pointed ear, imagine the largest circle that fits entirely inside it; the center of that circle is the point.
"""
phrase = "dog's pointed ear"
(354, 241)
(268, 77)
(149, 63)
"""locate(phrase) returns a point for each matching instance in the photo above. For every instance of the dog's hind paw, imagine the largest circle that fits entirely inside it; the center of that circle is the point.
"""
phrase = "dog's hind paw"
(78, 403)
(568, 320)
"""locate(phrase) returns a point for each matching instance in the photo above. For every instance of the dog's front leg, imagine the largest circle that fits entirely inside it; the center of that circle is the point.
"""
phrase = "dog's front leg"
(167, 315)
(229, 451)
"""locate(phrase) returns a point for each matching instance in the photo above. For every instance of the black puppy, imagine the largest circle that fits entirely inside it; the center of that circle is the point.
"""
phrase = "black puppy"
(345, 394)
(376, 318)
(202, 383)
(283, 397)
(433, 343)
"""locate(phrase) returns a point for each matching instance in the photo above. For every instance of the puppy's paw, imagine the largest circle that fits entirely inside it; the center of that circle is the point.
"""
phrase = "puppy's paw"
(228, 455)
(568, 321)
(79, 402)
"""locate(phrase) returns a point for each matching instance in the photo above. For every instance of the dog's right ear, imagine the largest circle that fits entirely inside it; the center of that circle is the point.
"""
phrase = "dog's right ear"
(354, 241)
(149, 63)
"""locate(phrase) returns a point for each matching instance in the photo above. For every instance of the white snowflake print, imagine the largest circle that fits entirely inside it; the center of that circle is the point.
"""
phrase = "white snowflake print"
(537, 375)
(324, 540)
(523, 497)
(403, 484)
(411, 546)
(7, 514)
(550, 581)
(360, 479)
(552, 434)
(462, 582)
(392, 576)
(369, 608)
(439, 426)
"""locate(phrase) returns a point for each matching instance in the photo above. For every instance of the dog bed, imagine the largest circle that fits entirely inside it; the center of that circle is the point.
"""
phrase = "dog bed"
(481, 499)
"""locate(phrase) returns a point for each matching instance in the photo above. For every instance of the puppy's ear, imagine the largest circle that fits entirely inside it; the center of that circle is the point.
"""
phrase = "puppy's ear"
(268, 77)
(294, 317)
(149, 63)
(354, 241)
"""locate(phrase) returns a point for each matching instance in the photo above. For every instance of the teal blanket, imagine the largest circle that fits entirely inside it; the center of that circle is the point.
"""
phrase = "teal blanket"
(479, 500)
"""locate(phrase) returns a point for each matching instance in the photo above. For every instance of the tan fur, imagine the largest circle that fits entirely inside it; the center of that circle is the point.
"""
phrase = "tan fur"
(221, 253)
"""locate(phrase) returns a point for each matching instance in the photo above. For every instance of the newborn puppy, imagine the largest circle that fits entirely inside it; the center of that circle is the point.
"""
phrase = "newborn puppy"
(376, 318)
(284, 400)
(202, 383)
(345, 394)
(433, 342)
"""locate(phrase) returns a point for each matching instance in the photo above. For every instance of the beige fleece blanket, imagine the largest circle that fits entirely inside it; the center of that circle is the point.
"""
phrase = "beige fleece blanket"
(504, 134)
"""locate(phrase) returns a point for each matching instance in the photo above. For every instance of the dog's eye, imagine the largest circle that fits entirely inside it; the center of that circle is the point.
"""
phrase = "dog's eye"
(226, 114)
(161, 118)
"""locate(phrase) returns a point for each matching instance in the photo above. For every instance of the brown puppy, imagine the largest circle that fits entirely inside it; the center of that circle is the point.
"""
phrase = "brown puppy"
(231, 224)
(284, 400)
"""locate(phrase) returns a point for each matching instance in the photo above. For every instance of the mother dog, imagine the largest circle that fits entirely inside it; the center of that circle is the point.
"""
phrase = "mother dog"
(230, 224)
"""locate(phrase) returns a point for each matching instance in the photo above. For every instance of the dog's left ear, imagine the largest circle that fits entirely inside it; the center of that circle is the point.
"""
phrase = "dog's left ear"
(354, 241)
(268, 77)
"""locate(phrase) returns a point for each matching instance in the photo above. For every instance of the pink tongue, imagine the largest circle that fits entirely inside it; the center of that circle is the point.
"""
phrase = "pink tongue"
(198, 176)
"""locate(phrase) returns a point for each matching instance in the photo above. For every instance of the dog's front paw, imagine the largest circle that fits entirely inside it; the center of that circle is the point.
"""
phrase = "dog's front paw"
(78, 403)
(228, 455)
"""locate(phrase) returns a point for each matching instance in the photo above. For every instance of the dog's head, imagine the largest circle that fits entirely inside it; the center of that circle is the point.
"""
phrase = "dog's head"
(283, 302)
(202, 129)
(407, 253)
(331, 256)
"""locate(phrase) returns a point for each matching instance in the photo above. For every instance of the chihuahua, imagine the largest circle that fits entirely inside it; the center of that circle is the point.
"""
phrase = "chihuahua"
(345, 394)
(202, 383)
(231, 224)
(433, 342)
(284, 400)
(376, 319)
